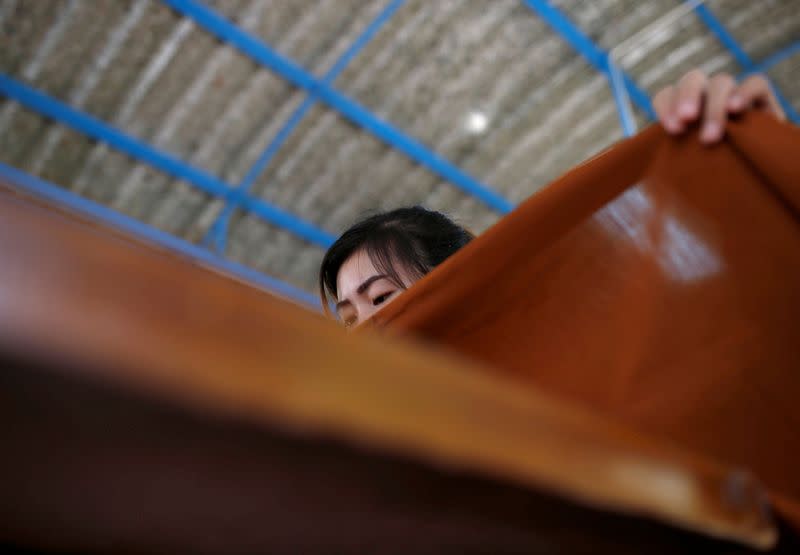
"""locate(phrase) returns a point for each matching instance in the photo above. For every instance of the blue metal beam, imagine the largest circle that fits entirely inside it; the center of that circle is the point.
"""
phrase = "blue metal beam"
(88, 125)
(386, 132)
(779, 56)
(148, 234)
(217, 234)
(742, 58)
(593, 54)
(722, 34)
(621, 100)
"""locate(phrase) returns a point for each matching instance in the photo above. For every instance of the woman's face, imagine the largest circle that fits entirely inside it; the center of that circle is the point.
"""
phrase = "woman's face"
(364, 290)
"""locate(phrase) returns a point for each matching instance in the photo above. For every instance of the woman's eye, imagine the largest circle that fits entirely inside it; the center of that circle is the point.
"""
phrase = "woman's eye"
(380, 299)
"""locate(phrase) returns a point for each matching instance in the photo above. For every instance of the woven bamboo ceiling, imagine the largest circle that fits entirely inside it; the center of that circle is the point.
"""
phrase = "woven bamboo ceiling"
(493, 90)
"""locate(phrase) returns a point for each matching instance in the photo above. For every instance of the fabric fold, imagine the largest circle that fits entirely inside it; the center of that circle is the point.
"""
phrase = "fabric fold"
(658, 284)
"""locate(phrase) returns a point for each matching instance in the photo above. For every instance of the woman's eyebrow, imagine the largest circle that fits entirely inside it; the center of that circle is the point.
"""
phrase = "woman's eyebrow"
(363, 287)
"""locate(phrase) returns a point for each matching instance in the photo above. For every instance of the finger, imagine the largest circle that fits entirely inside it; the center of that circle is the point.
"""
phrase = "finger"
(715, 113)
(663, 104)
(755, 91)
(690, 95)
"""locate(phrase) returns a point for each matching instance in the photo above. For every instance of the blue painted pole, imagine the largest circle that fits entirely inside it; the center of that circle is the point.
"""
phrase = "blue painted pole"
(722, 34)
(742, 58)
(584, 45)
(620, 95)
(151, 235)
(88, 125)
(386, 132)
(217, 234)
(779, 56)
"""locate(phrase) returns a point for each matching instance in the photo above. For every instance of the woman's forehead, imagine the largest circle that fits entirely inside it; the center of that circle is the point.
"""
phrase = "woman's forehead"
(353, 272)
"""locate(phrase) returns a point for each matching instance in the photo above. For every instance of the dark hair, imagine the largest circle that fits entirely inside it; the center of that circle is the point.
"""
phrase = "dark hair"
(415, 237)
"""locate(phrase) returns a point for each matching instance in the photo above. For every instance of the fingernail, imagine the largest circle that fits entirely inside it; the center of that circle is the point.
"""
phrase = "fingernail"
(711, 132)
(672, 124)
(687, 109)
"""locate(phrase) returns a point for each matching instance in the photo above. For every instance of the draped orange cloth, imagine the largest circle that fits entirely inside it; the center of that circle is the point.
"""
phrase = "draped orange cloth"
(148, 404)
(658, 284)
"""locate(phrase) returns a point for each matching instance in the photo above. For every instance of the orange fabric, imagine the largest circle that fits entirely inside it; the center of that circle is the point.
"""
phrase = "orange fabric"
(659, 284)
(138, 390)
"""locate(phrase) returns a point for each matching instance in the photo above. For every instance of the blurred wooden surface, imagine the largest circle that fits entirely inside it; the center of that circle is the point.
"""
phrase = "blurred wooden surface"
(148, 405)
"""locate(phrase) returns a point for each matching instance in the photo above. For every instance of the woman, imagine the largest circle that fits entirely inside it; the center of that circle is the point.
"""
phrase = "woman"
(378, 258)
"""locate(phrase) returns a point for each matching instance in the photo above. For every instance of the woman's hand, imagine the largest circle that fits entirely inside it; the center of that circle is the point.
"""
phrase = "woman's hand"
(712, 99)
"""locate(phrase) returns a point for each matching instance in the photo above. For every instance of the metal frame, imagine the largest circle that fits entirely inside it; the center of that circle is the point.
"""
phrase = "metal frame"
(617, 53)
(743, 59)
(88, 125)
(779, 56)
(217, 234)
(593, 54)
(623, 88)
(267, 56)
(148, 234)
